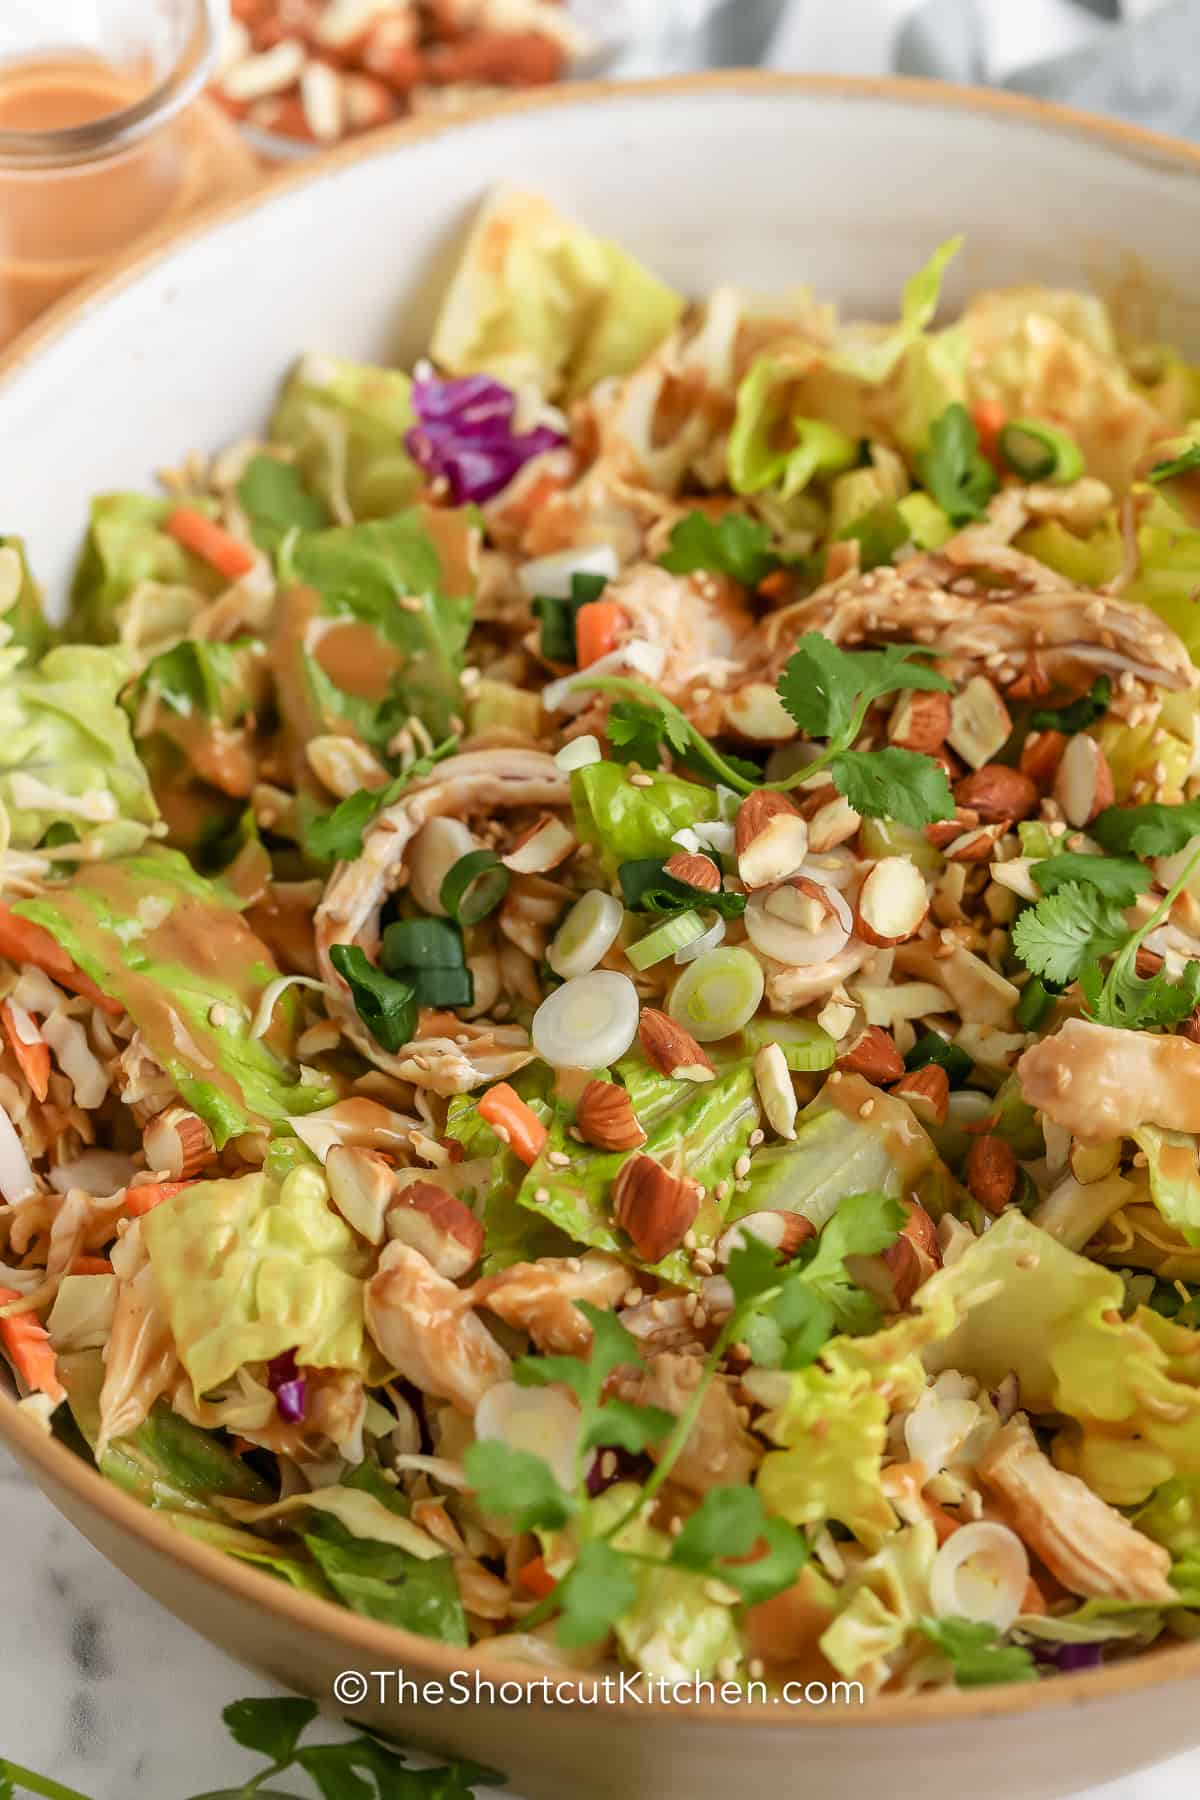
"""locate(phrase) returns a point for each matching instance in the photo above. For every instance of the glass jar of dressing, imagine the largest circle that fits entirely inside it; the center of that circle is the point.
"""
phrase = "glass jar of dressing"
(104, 135)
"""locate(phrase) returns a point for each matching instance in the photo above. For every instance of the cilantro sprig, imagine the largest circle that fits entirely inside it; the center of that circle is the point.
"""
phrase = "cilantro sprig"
(976, 1654)
(734, 545)
(954, 469)
(337, 835)
(828, 692)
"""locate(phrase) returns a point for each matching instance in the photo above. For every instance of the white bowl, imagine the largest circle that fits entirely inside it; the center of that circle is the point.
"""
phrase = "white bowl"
(763, 181)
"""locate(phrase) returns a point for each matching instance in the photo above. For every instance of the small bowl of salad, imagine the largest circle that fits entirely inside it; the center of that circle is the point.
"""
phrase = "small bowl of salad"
(600, 982)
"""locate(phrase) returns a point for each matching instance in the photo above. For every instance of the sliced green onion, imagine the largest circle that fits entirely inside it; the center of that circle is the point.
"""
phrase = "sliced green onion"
(934, 1048)
(1038, 452)
(1035, 1002)
(717, 994)
(443, 987)
(806, 1047)
(586, 935)
(387, 1007)
(587, 1023)
(665, 940)
(474, 887)
(422, 944)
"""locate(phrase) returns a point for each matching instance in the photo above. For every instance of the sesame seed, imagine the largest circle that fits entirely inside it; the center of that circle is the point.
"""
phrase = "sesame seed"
(756, 1138)
(721, 1191)
(608, 1464)
(558, 1160)
(412, 603)
(741, 1167)
(573, 1265)
(641, 781)
(676, 1526)
(689, 1240)
(632, 1296)
(541, 1195)
(866, 1109)
(502, 1133)
(757, 1668)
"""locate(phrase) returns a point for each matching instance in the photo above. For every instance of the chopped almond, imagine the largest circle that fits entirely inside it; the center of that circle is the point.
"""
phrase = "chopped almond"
(605, 1117)
(657, 1209)
(672, 1050)
(771, 839)
(874, 1056)
(892, 902)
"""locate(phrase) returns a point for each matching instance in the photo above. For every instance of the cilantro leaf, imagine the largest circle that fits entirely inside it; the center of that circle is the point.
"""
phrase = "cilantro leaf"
(954, 469)
(827, 690)
(893, 784)
(272, 1727)
(1139, 1003)
(732, 1522)
(598, 1588)
(1118, 878)
(1153, 830)
(1079, 714)
(276, 501)
(1067, 931)
(516, 1485)
(978, 1657)
(636, 732)
(734, 545)
(863, 1225)
(645, 888)
(386, 1006)
(603, 1421)
(803, 1320)
(1183, 464)
(337, 835)
(620, 1425)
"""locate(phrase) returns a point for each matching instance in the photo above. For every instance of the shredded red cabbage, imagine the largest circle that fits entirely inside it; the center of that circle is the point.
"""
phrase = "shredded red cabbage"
(288, 1386)
(627, 1466)
(1066, 1657)
(464, 435)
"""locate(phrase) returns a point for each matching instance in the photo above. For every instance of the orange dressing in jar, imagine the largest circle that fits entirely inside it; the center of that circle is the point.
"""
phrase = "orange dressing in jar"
(71, 199)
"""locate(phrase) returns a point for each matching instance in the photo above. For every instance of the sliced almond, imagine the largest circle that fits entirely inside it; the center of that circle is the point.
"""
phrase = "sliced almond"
(757, 713)
(927, 1092)
(656, 1209)
(672, 1050)
(1083, 785)
(892, 902)
(920, 721)
(771, 839)
(874, 1056)
(832, 823)
(362, 1186)
(547, 843)
(974, 846)
(997, 794)
(941, 832)
(438, 1224)
(694, 871)
(605, 1117)
(177, 1144)
(782, 1231)
(272, 72)
(776, 1089)
(979, 722)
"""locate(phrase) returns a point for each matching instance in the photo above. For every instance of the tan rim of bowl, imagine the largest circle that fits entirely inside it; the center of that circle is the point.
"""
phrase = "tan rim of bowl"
(362, 1637)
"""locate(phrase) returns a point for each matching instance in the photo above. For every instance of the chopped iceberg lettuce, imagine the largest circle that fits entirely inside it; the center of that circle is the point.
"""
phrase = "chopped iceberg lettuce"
(173, 948)
(344, 423)
(699, 1128)
(251, 1267)
(373, 625)
(677, 1627)
(67, 761)
(195, 710)
(537, 300)
(1174, 1176)
(127, 543)
(881, 1603)
(869, 354)
(23, 623)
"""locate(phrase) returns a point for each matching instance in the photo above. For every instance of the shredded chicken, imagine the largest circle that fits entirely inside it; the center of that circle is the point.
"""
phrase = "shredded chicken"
(1099, 1082)
(1087, 1544)
(698, 623)
(539, 1297)
(425, 1328)
(719, 1450)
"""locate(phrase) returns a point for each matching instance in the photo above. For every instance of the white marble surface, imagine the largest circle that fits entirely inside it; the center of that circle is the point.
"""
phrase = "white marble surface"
(104, 1691)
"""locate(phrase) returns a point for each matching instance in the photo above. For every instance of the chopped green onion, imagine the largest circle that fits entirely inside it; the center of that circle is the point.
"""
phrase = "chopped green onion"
(586, 935)
(717, 994)
(934, 1048)
(665, 940)
(558, 617)
(806, 1048)
(387, 1007)
(646, 888)
(474, 887)
(1038, 452)
(1035, 1002)
(422, 944)
(443, 987)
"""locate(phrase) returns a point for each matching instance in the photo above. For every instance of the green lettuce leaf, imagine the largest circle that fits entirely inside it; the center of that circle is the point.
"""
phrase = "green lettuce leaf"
(1174, 1175)
(384, 656)
(535, 299)
(388, 1584)
(24, 619)
(173, 948)
(126, 544)
(67, 759)
(274, 498)
(876, 356)
(701, 1128)
(344, 423)
(252, 1267)
(627, 823)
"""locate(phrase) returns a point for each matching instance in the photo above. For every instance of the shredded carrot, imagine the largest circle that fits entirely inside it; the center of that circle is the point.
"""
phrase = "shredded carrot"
(777, 582)
(513, 1122)
(33, 1060)
(211, 542)
(24, 1337)
(989, 418)
(147, 1195)
(536, 1578)
(598, 628)
(21, 941)
(91, 1265)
